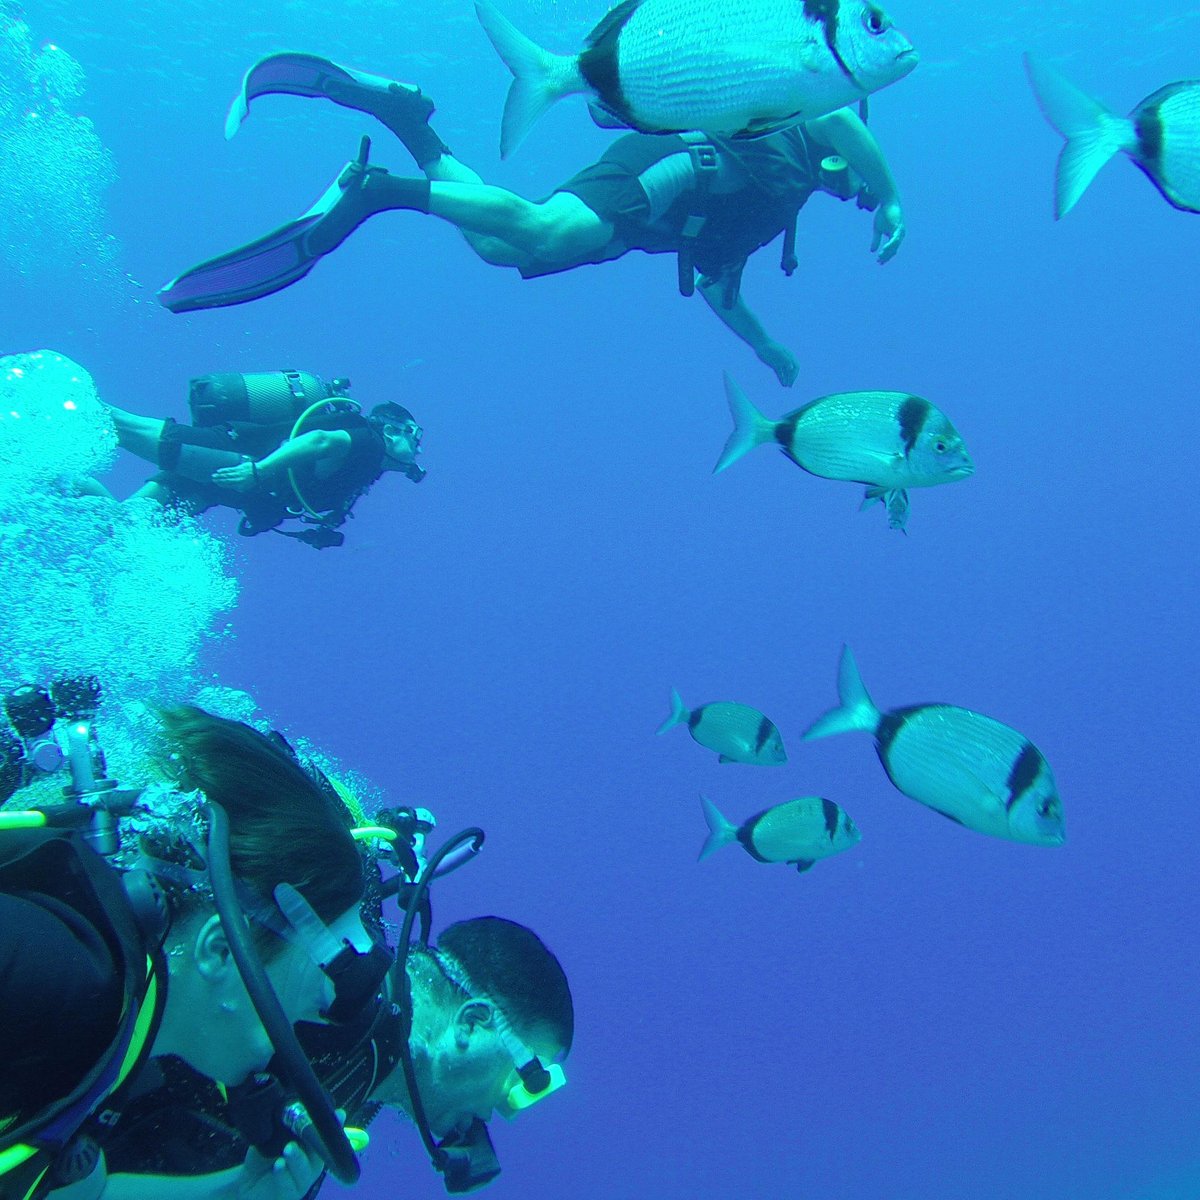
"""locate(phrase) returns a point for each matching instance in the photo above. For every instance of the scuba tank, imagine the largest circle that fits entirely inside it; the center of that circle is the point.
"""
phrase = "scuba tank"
(259, 398)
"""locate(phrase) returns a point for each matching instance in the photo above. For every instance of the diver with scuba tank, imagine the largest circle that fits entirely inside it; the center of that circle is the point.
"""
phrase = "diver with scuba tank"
(712, 202)
(280, 447)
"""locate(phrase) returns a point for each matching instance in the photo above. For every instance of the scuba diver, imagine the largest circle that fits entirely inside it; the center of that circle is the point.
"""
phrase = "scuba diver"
(278, 446)
(710, 201)
(195, 918)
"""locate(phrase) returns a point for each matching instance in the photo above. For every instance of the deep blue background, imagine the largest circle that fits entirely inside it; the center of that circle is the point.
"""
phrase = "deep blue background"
(934, 1015)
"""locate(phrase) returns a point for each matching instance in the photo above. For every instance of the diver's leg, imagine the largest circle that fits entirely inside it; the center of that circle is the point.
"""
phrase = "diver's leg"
(139, 435)
(501, 227)
(152, 489)
(561, 228)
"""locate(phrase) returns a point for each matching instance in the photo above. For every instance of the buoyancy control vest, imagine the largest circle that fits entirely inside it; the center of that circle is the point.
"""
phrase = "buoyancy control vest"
(718, 231)
(36, 1148)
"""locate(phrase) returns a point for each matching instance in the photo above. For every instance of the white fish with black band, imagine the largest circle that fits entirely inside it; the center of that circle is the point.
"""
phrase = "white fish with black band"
(739, 68)
(968, 767)
(891, 441)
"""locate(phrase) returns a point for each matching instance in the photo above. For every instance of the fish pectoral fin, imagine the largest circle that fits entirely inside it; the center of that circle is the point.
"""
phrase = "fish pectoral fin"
(802, 864)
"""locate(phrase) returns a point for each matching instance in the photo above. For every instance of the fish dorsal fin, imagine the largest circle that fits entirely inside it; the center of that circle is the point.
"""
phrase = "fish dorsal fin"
(613, 21)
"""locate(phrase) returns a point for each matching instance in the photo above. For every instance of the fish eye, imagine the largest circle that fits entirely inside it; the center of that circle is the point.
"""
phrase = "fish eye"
(940, 446)
(1046, 807)
(875, 21)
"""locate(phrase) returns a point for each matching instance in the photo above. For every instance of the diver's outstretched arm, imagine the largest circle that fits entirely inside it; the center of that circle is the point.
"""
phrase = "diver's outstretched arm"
(742, 320)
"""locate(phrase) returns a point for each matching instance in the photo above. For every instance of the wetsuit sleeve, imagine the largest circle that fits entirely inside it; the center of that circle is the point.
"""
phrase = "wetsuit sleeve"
(60, 993)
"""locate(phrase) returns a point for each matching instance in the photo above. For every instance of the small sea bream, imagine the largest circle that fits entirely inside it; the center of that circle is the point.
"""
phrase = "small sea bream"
(734, 732)
(1161, 135)
(890, 441)
(798, 832)
(960, 763)
(736, 68)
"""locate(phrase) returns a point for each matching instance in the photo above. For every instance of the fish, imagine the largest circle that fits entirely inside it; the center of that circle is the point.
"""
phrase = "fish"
(798, 832)
(968, 767)
(734, 68)
(735, 732)
(890, 441)
(1161, 136)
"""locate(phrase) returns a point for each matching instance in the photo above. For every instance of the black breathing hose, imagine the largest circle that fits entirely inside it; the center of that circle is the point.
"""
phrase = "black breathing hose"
(420, 888)
(296, 1070)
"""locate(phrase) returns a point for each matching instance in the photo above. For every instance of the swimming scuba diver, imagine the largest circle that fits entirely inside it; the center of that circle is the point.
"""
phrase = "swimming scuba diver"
(712, 202)
(278, 446)
(124, 935)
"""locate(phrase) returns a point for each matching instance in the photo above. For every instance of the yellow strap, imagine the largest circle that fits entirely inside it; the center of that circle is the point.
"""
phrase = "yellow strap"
(22, 820)
(373, 831)
(14, 1156)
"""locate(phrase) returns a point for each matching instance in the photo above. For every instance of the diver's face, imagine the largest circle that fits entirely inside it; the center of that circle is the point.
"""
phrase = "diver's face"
(470, 1080)
(304, 990)
(402, 440)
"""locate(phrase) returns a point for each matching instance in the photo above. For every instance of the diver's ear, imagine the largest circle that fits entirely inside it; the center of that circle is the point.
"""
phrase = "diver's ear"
(472, 1016)
(210, 950)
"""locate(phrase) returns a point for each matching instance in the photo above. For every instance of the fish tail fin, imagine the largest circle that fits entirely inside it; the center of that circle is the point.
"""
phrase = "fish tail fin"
(856, 711)
(720, 831)
(539, 77)
(679, 714)
(1093, 134)
(750, 427)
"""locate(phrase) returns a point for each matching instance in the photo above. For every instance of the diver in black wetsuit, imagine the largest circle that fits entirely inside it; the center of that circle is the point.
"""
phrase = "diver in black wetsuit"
(123, 934)
(710, 201)
(277, 446)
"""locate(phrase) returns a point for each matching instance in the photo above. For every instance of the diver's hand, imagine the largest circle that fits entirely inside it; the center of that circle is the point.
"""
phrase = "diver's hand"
(781, 360)
(287, 1177)
(240, 478)
(889, 231)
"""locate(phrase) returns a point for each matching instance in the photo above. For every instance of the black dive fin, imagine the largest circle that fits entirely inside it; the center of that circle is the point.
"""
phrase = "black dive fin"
(271, 263)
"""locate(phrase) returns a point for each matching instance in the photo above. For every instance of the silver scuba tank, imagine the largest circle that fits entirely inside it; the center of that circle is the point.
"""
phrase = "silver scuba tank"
(259, 398)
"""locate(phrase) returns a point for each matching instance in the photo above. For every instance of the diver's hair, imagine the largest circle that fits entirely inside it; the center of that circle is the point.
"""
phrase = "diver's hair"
(389, 413)
(513, 966)
(283, 826)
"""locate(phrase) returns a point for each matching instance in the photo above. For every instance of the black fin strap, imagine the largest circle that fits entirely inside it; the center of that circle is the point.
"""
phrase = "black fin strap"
(705, 165)
(788, 262)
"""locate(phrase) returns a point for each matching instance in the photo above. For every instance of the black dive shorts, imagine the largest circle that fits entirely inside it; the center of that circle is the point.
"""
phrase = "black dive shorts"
(188, 455)
(611, 188)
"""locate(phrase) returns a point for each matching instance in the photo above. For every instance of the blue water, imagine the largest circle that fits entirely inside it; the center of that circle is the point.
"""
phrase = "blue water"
(933, 1015)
